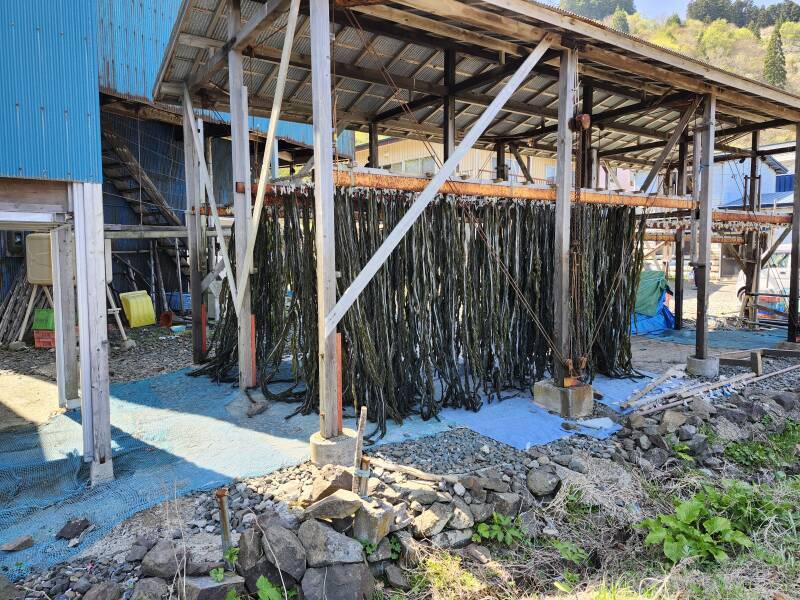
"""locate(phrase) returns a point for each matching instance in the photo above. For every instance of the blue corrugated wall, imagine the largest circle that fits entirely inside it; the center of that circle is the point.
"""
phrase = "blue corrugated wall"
(49, 111)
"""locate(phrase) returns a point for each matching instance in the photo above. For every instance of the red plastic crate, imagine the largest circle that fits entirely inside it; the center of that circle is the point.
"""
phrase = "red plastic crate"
(43, 338)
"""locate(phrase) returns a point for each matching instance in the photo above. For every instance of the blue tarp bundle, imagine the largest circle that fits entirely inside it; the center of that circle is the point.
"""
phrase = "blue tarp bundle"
(651, 314)
(663, 319)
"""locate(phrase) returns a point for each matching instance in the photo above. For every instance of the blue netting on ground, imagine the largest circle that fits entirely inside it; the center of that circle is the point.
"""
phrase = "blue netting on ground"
(738, 339)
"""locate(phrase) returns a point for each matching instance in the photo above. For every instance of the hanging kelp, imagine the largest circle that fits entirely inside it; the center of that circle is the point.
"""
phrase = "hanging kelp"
(461, 311)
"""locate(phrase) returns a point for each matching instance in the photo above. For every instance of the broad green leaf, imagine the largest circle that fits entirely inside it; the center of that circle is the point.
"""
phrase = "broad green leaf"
(688, 511)
(718, 553)
(673, 550)
(656, 536)
(717, 524)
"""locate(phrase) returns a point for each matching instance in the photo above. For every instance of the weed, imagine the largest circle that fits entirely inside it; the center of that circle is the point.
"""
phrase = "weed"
(217, 574)
(694, 531)
(778, 451)
(231, 555)
(570, 551)
(395, 547)
(268, 591)
(575, 504)
(502, 529)
(681, 450)
(232, 595)
(569, 579)
(369, 547)
(441, 575)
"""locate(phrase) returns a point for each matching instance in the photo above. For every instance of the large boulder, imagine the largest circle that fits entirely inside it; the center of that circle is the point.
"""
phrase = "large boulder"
(338, 505)
(418, 491)
(206, 588)
(325, 547)
(8, 591)
(543, 481)
(338, 582)
(283, 549)
(432, 521)
(330, 479)
(164, 560)
(373, 521)
(150, 588)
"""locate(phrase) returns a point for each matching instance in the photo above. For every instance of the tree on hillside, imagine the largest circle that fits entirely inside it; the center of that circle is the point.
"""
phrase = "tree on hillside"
(619, 21)
(674, 20)
(775, 60)
(597, 9)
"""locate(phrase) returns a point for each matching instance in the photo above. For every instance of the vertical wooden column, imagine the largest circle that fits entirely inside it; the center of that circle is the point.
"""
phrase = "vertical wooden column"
(679, 279)
(794, 268)
(63, 258)
(193, 232)
(585, 175)
(697, 151)
(323, 208)
(753, 278)
(449, 120)
(374, 159)
(501, 171)
(564, 181)
(683, 157)
(242, 202)
(87, 202)
(704, 229)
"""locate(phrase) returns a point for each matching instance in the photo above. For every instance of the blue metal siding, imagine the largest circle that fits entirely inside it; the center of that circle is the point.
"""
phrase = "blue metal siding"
(49, 110)
(784, 183)
(132, 36)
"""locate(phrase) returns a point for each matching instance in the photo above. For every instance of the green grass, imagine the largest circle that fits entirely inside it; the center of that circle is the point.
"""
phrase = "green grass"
(776, 452)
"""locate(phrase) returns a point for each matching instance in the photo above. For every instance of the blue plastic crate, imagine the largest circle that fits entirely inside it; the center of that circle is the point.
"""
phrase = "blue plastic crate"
(174, 301)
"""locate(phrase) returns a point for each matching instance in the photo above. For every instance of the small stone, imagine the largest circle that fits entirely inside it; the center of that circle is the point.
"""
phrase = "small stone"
(373, 522)
(481, 511)
(205, 588)
(734, 415)
(543, 481)
(396, 578)
(22, 542)
(636, 421)
(458, 489)
(82, 585)
(644, 442)
(506, 503)
(657, 457)
(382, 552)
(136, 553)
(72, 529)
(106, 590)
(702, 408)
(452, 538)
(325, 547)
(330, 479)
(787, 400)
(340, 504)
(698, 445)
(283, 549)
(478, 553)
(686, 432)
(163, 560)
(462, 515)
(577, 465)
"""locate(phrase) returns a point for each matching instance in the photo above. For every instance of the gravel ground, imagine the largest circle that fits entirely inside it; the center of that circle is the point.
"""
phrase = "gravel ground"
(157, 351)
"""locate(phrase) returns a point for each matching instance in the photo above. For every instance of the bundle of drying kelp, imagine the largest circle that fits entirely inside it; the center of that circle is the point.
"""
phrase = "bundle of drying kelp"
(461, 311)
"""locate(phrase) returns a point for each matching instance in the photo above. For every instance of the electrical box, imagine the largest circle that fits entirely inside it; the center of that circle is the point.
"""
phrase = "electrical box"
(15, 244)
(37, 259)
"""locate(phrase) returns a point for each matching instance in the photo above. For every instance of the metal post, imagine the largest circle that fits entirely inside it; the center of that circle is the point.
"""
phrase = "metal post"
(561, 306)
(704, 258)
(449, 120)
(240, 150)
(679, 279)
(374, 159)
(794, 269)
(323, 209)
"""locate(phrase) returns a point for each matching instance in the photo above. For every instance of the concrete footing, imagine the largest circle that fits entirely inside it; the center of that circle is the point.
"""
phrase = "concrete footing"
(569, 402)
(702, 367)
(17, 346)
(334, 451)
(787, 345)
(101, 473)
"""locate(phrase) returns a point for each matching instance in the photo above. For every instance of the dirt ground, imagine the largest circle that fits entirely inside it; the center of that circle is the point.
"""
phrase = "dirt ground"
(28, 394)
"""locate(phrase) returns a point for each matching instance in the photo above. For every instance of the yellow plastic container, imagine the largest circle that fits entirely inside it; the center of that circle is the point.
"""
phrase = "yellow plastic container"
(37, 259)
(138, 308)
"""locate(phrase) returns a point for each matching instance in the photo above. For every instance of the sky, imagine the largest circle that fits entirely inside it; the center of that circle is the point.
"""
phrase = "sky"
(664, 8)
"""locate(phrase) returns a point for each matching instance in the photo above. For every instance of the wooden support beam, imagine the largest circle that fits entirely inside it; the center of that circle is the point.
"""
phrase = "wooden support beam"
(62, 251)
(194, 200)
(265, 14)
(146, 232)
(563, 184)
(585, 173)
(449, 105)
(794, 266)
(678, 298)
(704, 258)
(323, 209)
(501, 169)
(683, 167)
(768, 254)
(374, 158)
(240, 158)
(677, 133)
(435, 185)
(521, 162)
(87, 202)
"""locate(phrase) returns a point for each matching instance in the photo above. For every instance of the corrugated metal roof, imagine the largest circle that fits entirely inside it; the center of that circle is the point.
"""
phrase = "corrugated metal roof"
(49, 110)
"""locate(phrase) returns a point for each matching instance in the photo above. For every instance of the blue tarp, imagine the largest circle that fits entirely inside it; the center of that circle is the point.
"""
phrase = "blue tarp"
(661, 321)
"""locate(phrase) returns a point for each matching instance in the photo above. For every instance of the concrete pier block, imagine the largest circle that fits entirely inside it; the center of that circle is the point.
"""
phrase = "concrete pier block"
(702, 367)
(569, 402)
(339, 450)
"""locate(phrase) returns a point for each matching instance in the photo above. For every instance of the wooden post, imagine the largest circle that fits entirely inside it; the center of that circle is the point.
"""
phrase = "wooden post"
(87, 200)
(242, 208)
(194, 192)
(794, 269)
(679, 278)
(501, 169)
(374, 159)
(63, 258)
(564, 178)
(704, 251)
(449, 119)
(753, 278)
(585, 175)
(683, 157)
(323, 208)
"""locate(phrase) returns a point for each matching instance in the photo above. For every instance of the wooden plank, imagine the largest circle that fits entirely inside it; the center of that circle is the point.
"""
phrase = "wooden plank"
(449, 105)
(240, 158)
(265, 14)
(433, 187)
(768, 254)
(794, 264)
(146, 232)
(563, 183)
(324, 233)
(194, 196)
(677, 133)
(704, 259)
(62, 251)
(679, 279)
(639, 394)
(34, 196)
(521, 162)
(93, 329)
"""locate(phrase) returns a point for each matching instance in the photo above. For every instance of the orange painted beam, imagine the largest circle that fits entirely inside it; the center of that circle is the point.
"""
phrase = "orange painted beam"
(715, 239)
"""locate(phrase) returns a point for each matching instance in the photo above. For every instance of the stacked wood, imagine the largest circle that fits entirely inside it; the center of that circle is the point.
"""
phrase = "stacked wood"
(12, 309)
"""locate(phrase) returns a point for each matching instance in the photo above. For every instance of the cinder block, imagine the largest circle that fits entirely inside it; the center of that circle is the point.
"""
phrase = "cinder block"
(569, 402)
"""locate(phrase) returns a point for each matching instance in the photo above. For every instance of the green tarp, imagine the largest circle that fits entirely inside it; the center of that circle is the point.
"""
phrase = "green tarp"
(651, 287)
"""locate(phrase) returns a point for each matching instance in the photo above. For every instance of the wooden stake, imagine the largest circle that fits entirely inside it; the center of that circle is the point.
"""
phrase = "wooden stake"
(362, 423)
